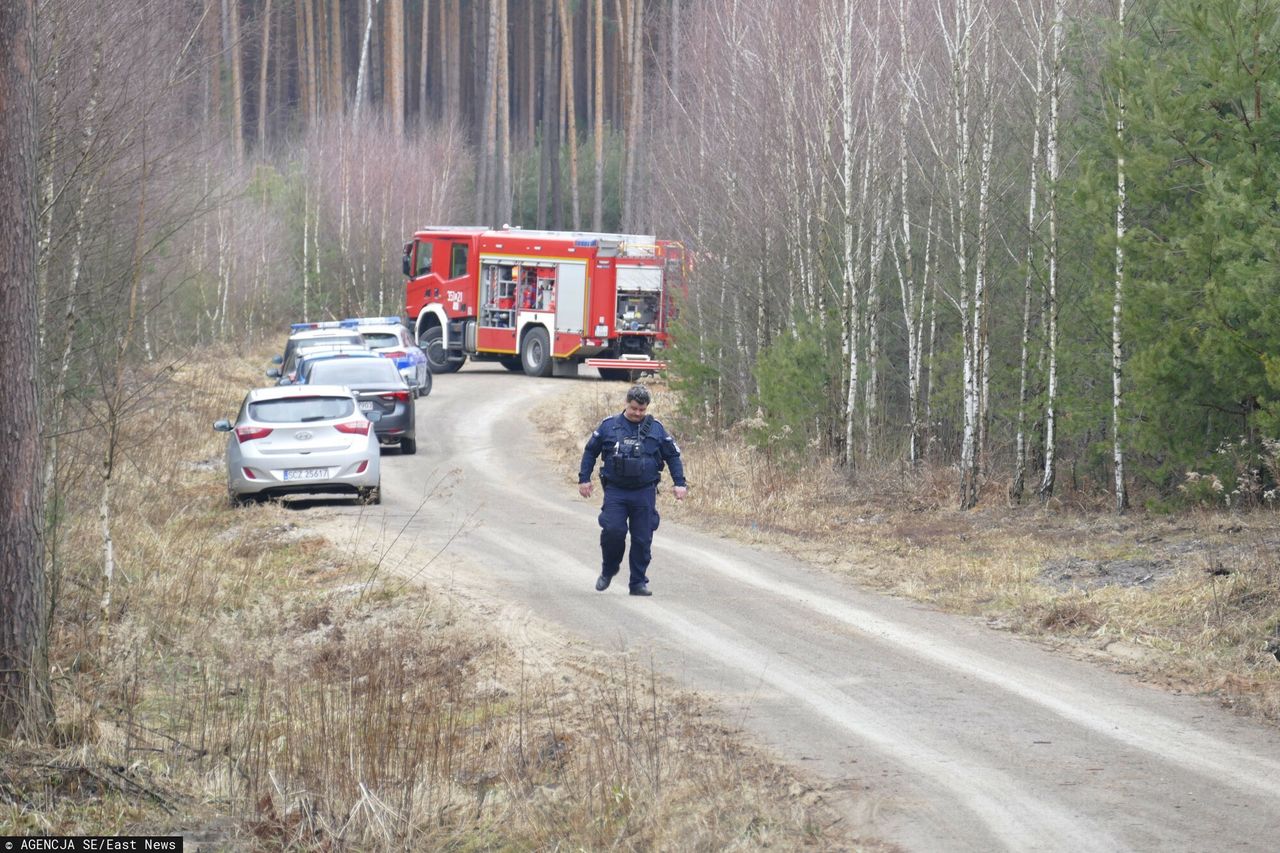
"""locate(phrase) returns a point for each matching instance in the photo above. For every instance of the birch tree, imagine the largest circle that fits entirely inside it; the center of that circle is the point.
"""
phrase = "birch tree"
(852, 308)
(362, 70)
(1032, 20)
(1117, 352)
(264, 64)
(1052, 176)
(912, 293)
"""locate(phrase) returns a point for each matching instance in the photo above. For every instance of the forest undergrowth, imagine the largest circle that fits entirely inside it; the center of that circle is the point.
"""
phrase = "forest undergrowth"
(1187, 598)
(252, 686)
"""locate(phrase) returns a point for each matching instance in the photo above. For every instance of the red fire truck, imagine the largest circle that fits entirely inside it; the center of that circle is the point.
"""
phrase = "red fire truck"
(542, 302)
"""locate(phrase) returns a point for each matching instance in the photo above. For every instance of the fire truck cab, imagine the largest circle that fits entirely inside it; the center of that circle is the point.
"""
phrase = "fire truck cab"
(541, 302)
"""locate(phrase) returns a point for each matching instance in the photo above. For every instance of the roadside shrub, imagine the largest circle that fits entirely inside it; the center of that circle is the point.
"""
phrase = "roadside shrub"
(1241, 473)
(796, 384)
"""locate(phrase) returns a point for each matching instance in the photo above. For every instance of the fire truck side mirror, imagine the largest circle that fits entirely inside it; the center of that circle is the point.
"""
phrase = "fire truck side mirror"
(404, 261)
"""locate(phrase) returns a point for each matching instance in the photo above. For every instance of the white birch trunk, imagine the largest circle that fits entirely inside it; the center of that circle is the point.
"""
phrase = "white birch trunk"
(306, 248)
(1020, 453)
(961, 48)
(1117, 353)
(1051, 151)
(852, 312)
(88, 135)
(108, 549)
(363, 69)
(871, 408)
(879, 208)
(981, 340)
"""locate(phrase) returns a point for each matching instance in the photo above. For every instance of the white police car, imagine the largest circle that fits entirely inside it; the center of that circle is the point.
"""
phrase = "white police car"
(388, 337)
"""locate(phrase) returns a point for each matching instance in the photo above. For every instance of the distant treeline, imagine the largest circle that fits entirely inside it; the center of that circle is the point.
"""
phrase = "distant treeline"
(1032, 239)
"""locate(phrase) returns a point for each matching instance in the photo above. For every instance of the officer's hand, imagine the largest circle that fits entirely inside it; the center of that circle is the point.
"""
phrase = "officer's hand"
(680, 492)
(585, 489)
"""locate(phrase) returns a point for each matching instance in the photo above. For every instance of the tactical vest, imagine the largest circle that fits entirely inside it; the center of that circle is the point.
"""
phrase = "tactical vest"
(632, 466)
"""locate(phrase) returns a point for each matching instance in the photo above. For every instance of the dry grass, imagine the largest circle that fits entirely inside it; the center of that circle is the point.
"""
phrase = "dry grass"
(1191, 601)
(250, 691)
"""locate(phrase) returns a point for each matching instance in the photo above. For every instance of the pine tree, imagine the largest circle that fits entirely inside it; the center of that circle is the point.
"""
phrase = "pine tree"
(1203, 179)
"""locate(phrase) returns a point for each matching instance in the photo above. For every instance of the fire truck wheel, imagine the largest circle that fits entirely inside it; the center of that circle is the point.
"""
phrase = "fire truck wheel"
(512, 363)
(535, 352)
(432, 343)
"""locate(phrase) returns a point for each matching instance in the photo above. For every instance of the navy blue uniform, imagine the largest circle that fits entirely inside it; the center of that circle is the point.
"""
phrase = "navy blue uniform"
(633, 458)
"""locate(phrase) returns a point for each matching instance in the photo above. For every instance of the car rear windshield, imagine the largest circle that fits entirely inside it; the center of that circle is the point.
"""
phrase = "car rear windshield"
(381, 339)
(353, 371)
(301, 409)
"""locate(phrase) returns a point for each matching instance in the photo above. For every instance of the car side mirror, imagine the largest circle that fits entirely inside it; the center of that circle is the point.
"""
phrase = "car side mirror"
(273, 373)
(222, 425)
(277, 359)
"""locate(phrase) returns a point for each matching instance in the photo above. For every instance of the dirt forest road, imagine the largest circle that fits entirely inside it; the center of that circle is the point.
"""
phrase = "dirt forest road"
(928, 730)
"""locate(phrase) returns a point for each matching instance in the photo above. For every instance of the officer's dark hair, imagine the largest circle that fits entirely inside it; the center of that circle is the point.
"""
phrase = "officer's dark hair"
(638, 394)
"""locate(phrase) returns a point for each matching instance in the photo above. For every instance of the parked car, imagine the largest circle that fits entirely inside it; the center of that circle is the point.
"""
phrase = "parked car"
(304, 336)
(379, 388)
(310, 439)
(388, 337)
(309, 356)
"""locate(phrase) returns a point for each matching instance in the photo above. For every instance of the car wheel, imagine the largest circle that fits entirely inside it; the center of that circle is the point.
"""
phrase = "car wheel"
(432, 343)
(408, 446)
(425, 388)
(535, 352)
(237, 499)
(371, 495)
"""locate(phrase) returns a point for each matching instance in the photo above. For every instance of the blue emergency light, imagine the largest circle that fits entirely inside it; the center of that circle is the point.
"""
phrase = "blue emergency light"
(357, 322)
(308, 327)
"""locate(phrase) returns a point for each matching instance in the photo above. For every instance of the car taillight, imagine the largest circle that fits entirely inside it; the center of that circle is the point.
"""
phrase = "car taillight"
(395, 354)
(396, 397)
(248, 474)
(363, 466)
(249, 433)
(353, 427)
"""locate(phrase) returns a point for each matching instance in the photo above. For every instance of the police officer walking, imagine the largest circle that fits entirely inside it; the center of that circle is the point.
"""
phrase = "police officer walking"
(635, 447)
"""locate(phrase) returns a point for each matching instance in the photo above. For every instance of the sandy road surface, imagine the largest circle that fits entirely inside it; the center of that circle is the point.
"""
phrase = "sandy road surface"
(931, 731)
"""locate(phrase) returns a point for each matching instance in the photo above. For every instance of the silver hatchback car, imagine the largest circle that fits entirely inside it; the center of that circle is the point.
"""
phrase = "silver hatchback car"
(301, 439)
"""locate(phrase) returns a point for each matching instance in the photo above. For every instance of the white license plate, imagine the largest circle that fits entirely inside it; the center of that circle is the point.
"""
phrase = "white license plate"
(306, 473)
(366, 405)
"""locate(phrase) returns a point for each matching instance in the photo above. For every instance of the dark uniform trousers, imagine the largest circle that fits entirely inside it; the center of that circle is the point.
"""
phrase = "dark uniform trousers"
(628, 509)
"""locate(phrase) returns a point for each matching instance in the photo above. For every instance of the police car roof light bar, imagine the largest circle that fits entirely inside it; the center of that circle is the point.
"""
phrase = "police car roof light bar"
(307, 327)
(356, 322)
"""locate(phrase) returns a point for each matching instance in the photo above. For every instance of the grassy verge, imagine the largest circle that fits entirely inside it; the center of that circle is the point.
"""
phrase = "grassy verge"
(251, 688)
(1189, 600)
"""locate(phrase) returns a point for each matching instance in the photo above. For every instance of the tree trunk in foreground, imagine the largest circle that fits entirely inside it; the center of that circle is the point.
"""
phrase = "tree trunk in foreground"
(23, 662)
